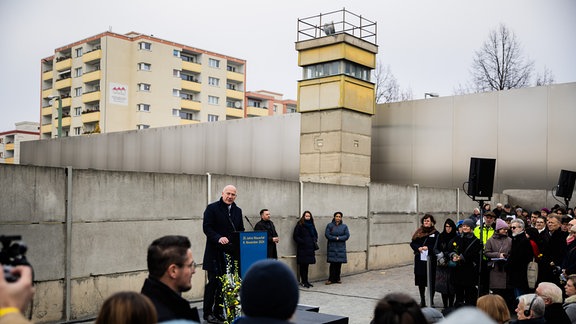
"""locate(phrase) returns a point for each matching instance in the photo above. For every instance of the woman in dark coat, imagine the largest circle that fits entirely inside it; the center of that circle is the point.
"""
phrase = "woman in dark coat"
(337, 234)
(444, 273)
(465, 252)
(306, 238)
(423, 242)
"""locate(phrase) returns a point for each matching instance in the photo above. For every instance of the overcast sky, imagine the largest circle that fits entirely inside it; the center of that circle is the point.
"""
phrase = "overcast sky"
(429, 45)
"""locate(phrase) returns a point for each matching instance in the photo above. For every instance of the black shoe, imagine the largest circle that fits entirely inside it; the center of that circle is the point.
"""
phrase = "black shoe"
(309, 285)
(213, 319)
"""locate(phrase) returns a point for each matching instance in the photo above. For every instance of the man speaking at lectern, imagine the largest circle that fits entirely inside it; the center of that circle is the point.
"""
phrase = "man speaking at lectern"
(221, 219)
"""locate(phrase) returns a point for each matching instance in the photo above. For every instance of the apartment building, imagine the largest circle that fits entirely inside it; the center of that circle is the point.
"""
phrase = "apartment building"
(112, 82)
(267, 103)
(10, 141)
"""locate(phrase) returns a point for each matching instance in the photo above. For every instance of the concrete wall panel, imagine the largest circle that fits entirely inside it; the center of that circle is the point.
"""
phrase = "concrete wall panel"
(32, 194)
(117, 247)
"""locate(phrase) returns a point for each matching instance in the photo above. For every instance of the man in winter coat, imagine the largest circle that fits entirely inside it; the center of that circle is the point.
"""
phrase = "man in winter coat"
(265, 224)
(170, 267)
(221, 219)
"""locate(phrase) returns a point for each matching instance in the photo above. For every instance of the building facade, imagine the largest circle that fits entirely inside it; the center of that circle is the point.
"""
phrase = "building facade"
(10, 141)
(112, 82)
(266, 103)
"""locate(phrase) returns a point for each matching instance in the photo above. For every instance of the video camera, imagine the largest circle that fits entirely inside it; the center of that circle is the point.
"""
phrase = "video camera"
(13, 254)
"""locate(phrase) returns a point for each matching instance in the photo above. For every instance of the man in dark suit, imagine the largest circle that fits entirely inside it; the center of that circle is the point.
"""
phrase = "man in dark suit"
(221, 219)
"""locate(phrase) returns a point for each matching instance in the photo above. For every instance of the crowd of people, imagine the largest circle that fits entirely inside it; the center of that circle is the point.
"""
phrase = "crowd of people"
(501, 261)
(506, 252)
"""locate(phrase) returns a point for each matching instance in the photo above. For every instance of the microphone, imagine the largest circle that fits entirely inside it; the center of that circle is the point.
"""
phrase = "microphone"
(249, 222)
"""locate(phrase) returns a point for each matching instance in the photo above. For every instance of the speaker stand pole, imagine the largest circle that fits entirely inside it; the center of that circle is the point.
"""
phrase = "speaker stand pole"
(481, 204)
(566, 202)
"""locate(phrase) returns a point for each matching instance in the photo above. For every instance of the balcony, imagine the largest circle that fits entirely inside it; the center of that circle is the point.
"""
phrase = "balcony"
(190, 104)
(235, 76)
(233, 112)
(9, 147)
(65, 83)
(194, 67)
(9, 160)
(90, 117)
(46, 93)
(47, 75)
(92, 76)
(46, 128)
(91, 56)
(256, 111)
(47, 111)
(63, 64)
(188, 121)
(189, 85)
(65, 122)
(91, 96)
(239, 95)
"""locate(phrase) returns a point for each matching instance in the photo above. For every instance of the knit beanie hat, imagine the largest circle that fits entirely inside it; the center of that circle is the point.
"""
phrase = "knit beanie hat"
(269, 289)
(500, 224)
(470, 223)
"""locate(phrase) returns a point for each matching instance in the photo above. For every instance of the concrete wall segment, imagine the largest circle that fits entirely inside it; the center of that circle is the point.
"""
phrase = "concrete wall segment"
(32, 194)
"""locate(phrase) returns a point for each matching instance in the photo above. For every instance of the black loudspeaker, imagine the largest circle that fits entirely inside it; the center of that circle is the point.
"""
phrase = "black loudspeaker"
(481, 177)
(566, 184)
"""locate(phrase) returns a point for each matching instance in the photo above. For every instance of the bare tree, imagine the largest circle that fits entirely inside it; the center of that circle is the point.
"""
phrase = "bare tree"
(546, 78)
(387, 87)
(500, 64)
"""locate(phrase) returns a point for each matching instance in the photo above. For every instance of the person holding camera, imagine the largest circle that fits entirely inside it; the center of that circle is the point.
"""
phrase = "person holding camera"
(15, 296)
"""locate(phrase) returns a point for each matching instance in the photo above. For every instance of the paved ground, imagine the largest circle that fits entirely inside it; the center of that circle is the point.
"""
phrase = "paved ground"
(356, 297)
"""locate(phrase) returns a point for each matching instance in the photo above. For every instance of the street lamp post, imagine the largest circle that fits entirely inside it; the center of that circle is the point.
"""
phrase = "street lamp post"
(59, 113)
(431, 94)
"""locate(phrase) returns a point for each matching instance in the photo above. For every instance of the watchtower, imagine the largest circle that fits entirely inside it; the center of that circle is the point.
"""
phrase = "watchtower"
(337, 53)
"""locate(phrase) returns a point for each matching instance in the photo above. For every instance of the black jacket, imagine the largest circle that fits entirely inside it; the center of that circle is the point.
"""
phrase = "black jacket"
(169, 305)
(218, 223)
(268, 226)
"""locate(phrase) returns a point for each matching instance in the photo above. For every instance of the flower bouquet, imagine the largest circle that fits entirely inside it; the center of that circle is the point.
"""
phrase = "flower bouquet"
(231, 283)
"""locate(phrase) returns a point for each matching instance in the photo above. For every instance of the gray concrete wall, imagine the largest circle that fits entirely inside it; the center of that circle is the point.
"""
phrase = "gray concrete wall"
(427, 142)
(431, 141)
(115, 215)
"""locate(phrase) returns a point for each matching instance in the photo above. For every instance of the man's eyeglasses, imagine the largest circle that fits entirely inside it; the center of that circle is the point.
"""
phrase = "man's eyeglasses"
(514, 227)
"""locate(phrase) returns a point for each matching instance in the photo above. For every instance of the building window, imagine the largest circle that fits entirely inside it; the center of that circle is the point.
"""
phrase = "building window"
(77, 111)
(231, 68)
(176, 53)
(176, 73)
(78, 72)
(214, 63)
(213, 81)
(145, 46)
(77, 130)
(176, 92)
(254, 103)
(78, 92)
(213, 100)
(144, 66)
(212, 118)
(143, 107)
(79, 52)
(176, 112)
(142, 126)
(231, 86)
(144, 87)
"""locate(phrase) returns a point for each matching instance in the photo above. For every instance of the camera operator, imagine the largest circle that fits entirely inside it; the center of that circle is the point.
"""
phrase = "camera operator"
(15, 296)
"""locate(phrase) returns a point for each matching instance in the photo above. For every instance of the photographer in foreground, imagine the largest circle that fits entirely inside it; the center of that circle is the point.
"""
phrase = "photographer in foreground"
(15, 296)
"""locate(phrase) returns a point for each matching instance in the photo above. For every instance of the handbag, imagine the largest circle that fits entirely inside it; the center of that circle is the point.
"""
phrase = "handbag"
(532, 274)
(316, 247)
